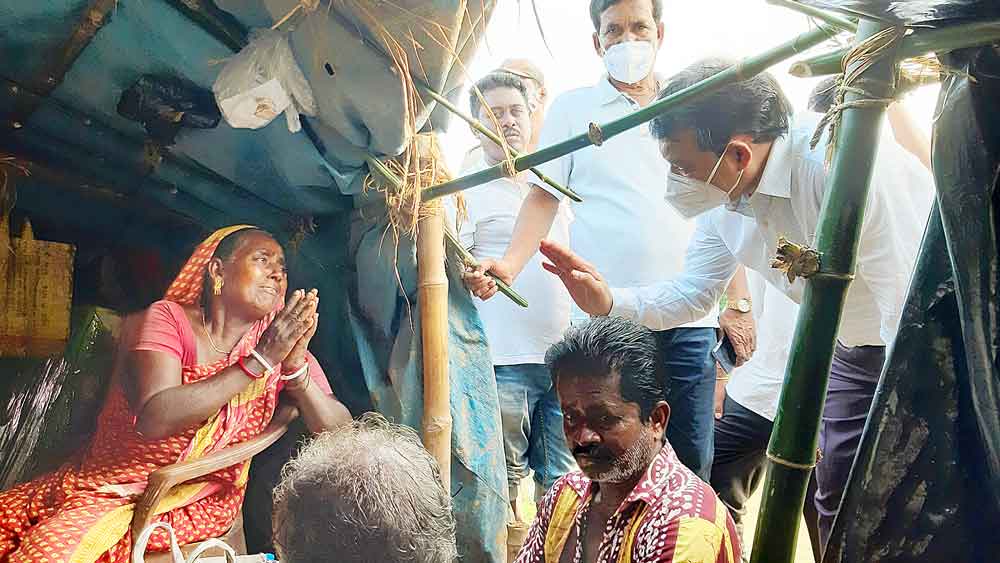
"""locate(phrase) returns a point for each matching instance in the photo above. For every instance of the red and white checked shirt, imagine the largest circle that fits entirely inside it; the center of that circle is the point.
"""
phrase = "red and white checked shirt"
(671, 516)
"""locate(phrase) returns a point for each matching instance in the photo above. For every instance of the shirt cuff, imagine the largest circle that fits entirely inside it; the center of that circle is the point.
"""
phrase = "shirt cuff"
(624, 303)
(534, 180)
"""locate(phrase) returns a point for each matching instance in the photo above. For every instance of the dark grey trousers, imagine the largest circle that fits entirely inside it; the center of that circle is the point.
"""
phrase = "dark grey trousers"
(741, 437)
(853, 378)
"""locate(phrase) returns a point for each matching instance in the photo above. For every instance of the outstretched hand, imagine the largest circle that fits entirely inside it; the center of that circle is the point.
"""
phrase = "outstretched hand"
(583, 282)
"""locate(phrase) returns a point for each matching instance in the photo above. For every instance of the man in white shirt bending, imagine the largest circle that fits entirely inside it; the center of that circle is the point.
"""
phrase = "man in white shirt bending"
(744, 166)
(622, 225)
(518, 337)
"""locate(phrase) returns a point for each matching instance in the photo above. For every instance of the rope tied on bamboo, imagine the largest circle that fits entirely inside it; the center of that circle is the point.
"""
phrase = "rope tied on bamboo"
(855, 63)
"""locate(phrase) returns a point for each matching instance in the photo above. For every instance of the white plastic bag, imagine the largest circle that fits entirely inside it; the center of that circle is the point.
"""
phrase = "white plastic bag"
(262, 81)
(139, 552)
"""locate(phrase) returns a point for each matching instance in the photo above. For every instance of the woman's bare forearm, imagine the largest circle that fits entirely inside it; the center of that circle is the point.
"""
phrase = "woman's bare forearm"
(319, 411)
(176, 409)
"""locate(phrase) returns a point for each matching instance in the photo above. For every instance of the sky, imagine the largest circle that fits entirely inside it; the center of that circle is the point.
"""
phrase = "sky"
(693, 29)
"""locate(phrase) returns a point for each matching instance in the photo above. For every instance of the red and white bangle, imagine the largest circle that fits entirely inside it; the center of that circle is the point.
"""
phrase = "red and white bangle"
(268, 368)
(246, 370)
(296, 374)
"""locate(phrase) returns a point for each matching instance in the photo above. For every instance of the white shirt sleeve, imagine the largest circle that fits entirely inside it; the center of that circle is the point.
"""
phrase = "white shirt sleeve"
(708, 267)
(557, 128)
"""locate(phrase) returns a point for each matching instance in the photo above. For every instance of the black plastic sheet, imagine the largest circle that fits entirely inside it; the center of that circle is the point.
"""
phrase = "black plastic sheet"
(931, 13)
(164, 104)
(926, 483)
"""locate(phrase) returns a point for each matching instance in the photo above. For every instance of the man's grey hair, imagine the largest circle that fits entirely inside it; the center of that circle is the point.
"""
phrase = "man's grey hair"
(492, 81)
(366, 492)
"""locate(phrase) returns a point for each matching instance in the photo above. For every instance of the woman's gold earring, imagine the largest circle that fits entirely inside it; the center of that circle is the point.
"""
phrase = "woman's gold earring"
(217, 286)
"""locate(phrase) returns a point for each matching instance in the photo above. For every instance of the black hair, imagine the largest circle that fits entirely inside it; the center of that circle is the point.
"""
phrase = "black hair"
(609, 345)
(755, 106)
(492, 81)
(225, 251)
(822, 96)
(228, 246)
(597, 7)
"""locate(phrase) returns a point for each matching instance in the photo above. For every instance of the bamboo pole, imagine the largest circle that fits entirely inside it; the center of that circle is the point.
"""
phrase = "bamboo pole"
(376, 166)
(475, 124)
(822, 15)
(749, 67)
(432, 299)
(432, 293)
(792, 450)
(919, 43)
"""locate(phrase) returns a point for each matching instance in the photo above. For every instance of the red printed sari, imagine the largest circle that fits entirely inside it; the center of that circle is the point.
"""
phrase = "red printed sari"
(81, 513)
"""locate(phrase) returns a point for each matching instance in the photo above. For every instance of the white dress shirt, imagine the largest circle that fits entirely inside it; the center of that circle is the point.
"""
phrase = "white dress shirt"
(756, 384)
(516, 335)
(787, 203)
(623, 226)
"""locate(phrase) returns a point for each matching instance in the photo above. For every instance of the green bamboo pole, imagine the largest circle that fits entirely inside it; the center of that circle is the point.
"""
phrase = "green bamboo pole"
(376, 166)
(918, 44)
(749, 67)
(822, 15)
(475, 124)
(792, 449)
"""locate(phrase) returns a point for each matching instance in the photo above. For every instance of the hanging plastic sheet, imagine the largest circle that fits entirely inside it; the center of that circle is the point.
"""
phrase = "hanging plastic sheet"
(931, 13)
(926, 482)
(384, 316)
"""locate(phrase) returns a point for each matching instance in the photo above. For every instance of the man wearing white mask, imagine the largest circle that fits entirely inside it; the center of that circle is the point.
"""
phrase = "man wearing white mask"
(622, 223)
(745, 167)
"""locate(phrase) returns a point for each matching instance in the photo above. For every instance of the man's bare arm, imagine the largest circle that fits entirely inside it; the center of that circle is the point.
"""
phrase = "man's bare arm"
(534, 221)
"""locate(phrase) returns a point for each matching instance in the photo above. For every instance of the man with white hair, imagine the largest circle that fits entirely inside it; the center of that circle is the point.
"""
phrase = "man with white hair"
(364, 492)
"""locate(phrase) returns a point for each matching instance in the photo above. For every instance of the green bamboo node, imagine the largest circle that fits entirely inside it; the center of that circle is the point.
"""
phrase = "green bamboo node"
(795, 260)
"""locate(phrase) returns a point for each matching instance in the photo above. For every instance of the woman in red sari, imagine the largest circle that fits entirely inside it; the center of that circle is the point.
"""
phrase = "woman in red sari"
(206, 368)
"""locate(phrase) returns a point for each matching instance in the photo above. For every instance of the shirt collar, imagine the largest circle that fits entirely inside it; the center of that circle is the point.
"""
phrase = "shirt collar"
(607, 91)
(647, 490)
(776, 180)
(608, 94)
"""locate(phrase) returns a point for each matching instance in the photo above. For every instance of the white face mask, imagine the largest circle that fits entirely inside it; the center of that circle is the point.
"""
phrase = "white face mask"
(692, 197)
(629, 62)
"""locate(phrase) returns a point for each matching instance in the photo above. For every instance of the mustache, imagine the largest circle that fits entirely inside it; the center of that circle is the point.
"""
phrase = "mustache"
(592, 451)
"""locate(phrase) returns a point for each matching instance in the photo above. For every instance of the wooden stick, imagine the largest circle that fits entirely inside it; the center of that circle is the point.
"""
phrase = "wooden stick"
(432, 296)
